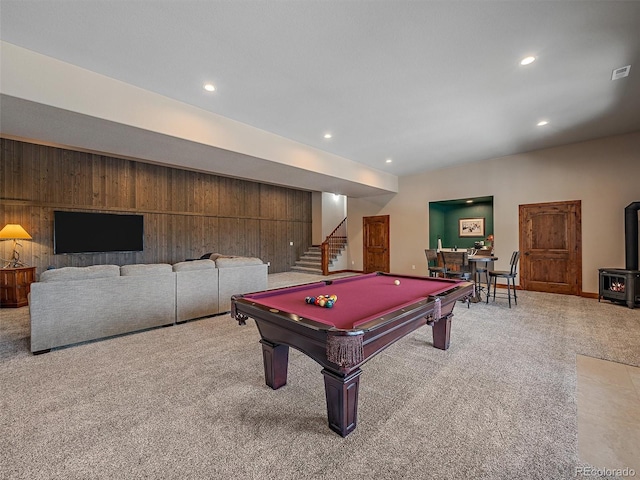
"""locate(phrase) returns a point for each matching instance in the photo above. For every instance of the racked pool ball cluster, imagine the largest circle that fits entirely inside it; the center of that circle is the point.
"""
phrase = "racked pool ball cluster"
(326, 301)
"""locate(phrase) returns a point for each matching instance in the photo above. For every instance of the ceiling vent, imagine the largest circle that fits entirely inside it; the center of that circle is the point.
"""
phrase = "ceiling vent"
(620, 72)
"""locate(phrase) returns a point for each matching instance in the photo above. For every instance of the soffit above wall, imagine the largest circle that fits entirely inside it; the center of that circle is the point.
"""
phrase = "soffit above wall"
(76, 108)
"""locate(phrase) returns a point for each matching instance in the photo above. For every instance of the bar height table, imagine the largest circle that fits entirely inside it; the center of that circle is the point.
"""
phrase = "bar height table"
(474, 260)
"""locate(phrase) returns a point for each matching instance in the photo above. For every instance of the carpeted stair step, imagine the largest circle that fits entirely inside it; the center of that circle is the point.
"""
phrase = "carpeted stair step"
(311, 261)
(308, 263)
(296, 268)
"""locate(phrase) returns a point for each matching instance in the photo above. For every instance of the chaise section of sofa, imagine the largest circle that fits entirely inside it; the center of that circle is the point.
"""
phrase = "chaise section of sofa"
(239, 275)
(196, 289)
(76, 304)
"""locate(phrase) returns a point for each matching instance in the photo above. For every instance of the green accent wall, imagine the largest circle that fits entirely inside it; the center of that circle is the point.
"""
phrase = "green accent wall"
(443, 222)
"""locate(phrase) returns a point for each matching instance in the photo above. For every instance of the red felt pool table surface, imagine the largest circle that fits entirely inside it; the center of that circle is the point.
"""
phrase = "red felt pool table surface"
(360, 298)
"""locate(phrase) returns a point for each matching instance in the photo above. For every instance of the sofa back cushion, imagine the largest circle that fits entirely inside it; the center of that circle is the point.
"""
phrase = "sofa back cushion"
(145, 269)
(194, 265)
(80, 273)
(227, 262)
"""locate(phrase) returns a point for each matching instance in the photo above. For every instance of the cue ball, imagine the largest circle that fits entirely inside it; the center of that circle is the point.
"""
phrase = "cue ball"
(397, 282)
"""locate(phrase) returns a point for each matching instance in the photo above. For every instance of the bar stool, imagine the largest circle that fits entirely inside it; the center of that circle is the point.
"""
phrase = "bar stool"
(482, 269)
(509, 275)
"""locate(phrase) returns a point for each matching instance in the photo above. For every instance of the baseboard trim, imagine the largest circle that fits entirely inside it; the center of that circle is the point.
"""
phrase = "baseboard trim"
(589, 295)
(581, 294)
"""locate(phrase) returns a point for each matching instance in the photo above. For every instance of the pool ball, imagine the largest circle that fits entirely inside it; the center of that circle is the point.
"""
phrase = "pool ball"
(397, 282)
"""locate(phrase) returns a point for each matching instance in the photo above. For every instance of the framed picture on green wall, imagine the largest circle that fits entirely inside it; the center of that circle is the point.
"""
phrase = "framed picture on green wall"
(471, 227)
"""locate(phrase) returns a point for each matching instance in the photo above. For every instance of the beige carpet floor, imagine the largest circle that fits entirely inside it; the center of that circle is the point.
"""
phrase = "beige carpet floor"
(189, 401)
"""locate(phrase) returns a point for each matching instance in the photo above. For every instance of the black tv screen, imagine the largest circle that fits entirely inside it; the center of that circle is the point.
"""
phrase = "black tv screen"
(81, 232)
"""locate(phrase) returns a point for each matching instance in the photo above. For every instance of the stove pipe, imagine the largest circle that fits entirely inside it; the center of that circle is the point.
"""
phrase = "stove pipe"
(631, 235)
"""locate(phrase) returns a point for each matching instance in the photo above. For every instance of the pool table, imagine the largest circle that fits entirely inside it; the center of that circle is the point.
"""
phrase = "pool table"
(372, 311)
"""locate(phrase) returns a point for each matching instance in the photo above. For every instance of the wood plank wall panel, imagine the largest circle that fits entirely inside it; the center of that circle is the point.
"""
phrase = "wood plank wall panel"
(231, 196)
(269, 198)
(186, 213)
(251, 233)
(268, 240)
(210, 235)
(207, 194)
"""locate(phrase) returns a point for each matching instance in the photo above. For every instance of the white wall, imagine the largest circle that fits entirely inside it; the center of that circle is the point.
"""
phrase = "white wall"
(604, 174)
(334, 209)
(340, 262)
(327, 210)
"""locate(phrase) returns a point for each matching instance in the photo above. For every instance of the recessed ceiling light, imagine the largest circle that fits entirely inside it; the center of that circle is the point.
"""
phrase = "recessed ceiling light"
(542, 123)
(327, 136)
(209, 87)
(388, 160)
(527, 60)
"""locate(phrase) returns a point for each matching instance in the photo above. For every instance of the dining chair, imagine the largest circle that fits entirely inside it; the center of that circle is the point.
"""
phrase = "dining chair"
(459, 259)
(432, 262)
(509, 275)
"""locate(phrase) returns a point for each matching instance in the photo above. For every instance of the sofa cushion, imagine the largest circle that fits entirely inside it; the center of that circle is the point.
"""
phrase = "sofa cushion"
(145, 269)
(226, 262)
(80, 273)
(194, 265)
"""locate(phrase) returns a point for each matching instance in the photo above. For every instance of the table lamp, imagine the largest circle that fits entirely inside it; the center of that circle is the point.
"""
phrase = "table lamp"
(15, 232)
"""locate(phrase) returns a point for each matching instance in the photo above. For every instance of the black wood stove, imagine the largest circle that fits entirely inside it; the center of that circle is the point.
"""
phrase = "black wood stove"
(623, 284)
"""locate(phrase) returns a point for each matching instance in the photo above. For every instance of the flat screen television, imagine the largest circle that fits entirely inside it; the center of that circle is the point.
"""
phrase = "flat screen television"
(82, 232)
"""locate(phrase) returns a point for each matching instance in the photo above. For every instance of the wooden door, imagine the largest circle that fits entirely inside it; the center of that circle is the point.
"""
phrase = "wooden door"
(551, 247)
(375, 232)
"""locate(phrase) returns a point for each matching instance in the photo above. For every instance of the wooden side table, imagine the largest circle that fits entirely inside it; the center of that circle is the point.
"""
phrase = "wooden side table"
(15, 284)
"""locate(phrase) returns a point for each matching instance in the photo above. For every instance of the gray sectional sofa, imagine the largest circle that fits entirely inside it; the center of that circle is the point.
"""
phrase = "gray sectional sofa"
(77, 304)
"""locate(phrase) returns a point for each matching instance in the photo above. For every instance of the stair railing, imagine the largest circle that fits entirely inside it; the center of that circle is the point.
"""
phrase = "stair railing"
(333, 245)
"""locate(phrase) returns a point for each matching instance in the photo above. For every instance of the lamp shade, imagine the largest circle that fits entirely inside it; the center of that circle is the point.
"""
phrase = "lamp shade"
(15, 232)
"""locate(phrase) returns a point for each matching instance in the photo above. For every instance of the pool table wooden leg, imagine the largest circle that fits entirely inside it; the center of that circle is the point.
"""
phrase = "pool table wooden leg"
(276, 361)
(442, 332)
(342, 400)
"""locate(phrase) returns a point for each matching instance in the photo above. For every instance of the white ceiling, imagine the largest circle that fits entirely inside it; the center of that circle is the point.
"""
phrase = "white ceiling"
(425, 83)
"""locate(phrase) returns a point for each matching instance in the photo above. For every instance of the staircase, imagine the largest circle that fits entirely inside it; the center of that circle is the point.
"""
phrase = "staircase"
(311, 261)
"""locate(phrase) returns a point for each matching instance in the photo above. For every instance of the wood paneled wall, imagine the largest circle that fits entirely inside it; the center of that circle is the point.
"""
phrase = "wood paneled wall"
(186, 213)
